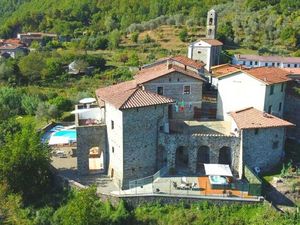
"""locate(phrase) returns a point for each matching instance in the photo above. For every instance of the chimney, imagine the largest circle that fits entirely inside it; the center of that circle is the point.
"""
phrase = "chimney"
(169, 64)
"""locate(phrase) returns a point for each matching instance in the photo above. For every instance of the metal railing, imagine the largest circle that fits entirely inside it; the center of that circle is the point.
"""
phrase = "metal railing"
(147, 180)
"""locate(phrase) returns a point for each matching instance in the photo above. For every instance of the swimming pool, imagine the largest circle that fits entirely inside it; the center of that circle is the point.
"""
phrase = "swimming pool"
(71, 134)
(60, 135)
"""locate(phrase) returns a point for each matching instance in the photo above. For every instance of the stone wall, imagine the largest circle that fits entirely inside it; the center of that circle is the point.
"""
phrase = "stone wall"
(292, 111)
(141, 127)
(88, 137)
(264, 149)
(173, 85)
(192, 143)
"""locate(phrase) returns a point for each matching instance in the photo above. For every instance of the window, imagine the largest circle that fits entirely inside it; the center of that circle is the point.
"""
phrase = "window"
(255, 62)
(278, 64)
(288, 65)
(270, 109)
(271, 89)
(187, 89)
(250, 63)
(160, 90)
(275, 144)
(273, 64)
(279, 107)
(296, 65)
(282, 87)
(256, 131)
(244, 62)
(178, 79)
(170, 79)
(112, 149)
(112, 124)
(266, 64)
(199, 52)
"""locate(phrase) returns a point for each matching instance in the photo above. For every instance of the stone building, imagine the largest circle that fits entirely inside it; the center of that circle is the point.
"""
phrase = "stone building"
(262, 137)
(141, 131)
(179, 83)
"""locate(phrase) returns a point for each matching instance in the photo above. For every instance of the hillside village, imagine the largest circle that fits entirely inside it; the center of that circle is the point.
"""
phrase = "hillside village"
(181, 115)
(194, 126)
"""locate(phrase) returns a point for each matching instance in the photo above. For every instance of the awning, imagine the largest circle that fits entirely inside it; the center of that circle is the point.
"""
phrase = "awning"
(82, 110)
(87, 100)
(218, 170)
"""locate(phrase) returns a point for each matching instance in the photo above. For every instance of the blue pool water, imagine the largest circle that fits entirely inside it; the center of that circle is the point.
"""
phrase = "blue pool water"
(71, 134)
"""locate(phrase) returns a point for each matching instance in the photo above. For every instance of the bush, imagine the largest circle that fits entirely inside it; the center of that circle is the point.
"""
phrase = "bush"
(183, 35)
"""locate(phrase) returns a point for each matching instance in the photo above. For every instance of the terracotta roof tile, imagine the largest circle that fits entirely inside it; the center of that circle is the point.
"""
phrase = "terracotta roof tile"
(269, 75)
(160, 70)
(213, 42)
(128, 95)
(251, 118)
(224, 69)
(188, 62)
(292, 70)
(142, 98)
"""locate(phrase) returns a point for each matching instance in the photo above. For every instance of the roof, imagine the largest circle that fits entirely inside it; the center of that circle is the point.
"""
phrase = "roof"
(160, 70)
(251, 118)
(281, 59)
(127, 95)
(292, 71)
(10, 46)
(188, 62)
(268, 75)
(224, 69)
(213, 42)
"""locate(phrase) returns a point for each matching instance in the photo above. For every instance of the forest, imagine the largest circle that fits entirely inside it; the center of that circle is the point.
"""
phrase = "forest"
(270, 25)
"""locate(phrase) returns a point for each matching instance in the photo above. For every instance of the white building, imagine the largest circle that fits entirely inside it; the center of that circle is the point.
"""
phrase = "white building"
(262, 88)
(207, 51)
(258, 61)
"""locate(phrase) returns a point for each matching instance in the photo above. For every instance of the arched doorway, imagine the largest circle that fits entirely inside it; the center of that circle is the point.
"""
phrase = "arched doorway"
(95, 159)
(182, 158)
(225, 155)
(202, 157)
(161, 157)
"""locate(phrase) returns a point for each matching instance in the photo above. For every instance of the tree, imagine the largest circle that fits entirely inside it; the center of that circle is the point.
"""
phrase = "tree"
(24, 164)
(31, 66)
(183, 35)
(114, 39)
(30, 104)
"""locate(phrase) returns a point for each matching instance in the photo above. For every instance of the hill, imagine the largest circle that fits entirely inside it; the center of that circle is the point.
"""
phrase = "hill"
(271, 26)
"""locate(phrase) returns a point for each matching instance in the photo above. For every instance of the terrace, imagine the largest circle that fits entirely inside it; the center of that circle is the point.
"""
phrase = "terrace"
(222, 128)
(248, 188)
(88, 115)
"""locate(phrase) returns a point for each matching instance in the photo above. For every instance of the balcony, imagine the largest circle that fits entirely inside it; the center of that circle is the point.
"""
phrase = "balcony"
(88, 115)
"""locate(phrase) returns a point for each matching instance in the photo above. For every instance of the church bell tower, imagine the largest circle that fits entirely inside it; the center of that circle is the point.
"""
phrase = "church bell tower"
(211, 25)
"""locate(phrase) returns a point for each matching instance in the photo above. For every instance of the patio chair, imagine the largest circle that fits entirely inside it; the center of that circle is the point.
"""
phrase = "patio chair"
(193, 186)
(184, 180)
(175, 185)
